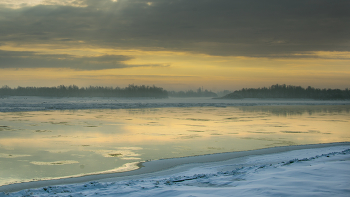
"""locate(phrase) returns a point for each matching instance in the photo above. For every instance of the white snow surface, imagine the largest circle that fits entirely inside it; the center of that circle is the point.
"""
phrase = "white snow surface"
(33, 103)
(307, 172)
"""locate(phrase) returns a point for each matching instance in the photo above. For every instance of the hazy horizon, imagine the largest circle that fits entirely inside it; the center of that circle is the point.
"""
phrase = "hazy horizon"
(175, 44)
(176, 90)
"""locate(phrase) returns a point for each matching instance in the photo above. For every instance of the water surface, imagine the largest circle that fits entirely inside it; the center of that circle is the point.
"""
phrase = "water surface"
(53, 144)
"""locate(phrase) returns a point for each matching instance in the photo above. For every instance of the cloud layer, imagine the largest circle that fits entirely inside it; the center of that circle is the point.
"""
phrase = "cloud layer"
(252, 28)
(25, 59)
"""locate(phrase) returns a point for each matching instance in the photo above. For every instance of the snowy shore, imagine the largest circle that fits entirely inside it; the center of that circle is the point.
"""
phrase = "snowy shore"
(308, 170)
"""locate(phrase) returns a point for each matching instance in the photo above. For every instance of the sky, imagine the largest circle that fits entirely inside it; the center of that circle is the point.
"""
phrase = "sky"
(175, 44)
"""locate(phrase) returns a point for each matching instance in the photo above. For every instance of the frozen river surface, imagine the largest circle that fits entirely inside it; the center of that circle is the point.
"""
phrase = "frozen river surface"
(91, 136)
(22, 103)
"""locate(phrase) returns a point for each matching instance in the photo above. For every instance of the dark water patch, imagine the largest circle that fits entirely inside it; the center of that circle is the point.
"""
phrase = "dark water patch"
(260, 132)
(288, 143)
(189, 136)
(216, 134)
(115, 154)
(246, 117)
(53, 163)
(194, 119)
(314, 131)
(19, 120)
(85, 145)
(297, 110)
(214, 148)
(91, 126)
(42, 131)
(6, 128)
(258, 138)
(150, 118)
(194, 125)
(336, 120)
(58, 136)
(195, 131)
(151, 124)
(232, 118)
(293, 132)
(57, 123)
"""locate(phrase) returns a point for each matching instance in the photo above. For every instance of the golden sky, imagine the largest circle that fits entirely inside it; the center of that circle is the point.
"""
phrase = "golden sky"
(175, 44)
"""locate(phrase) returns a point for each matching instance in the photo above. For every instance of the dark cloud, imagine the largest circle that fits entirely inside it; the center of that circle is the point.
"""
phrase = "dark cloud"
(255, 28)
(25, 59)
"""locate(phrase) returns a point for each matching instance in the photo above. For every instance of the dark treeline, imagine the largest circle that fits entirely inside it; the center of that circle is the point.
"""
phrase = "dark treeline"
(283, 91)
(191, 93)
(92, 91)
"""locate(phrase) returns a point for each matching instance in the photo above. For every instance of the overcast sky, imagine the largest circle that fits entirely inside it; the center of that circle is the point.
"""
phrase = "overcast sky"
(176, 44)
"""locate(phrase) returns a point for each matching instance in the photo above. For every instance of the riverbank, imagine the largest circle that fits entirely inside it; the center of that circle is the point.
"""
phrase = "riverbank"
(305, 170)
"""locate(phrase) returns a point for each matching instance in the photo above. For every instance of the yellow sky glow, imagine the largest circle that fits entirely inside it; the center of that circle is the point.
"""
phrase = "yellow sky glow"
(180, 69)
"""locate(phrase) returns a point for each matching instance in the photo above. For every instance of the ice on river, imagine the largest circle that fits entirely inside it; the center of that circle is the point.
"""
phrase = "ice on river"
(307, 172)
(33, 103)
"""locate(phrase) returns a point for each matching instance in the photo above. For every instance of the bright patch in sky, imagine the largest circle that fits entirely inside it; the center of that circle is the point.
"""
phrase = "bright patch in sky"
(24, 3)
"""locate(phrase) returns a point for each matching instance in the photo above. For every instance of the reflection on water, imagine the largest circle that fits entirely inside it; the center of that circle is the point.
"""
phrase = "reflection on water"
(298, 110)
(53, 144)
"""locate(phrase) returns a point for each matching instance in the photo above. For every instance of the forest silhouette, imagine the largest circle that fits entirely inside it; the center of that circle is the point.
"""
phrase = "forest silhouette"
(191, 93)
(275, 91)
(91, 91)
(284, 91)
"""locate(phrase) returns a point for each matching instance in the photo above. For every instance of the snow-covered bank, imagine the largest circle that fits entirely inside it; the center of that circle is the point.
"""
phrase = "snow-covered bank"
(311, 171)
(32, 103)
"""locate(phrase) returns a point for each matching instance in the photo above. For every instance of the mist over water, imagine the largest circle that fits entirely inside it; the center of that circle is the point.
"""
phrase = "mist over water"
(53, 144)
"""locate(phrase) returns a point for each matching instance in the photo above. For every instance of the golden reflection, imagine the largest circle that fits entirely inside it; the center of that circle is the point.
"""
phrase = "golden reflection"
(108, 127)
(68, 140)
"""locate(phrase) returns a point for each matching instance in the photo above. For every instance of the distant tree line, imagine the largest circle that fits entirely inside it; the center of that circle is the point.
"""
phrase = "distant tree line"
(191, 93)
(284, 91)
(223, 92)
(92, 91)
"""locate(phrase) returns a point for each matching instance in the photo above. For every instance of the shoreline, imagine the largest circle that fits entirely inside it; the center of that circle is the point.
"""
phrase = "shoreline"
(166, 166)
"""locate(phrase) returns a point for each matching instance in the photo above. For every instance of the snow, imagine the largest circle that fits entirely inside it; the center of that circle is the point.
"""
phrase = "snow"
(306, 172)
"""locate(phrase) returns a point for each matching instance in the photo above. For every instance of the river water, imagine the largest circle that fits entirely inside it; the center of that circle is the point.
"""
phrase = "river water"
(38, 145)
